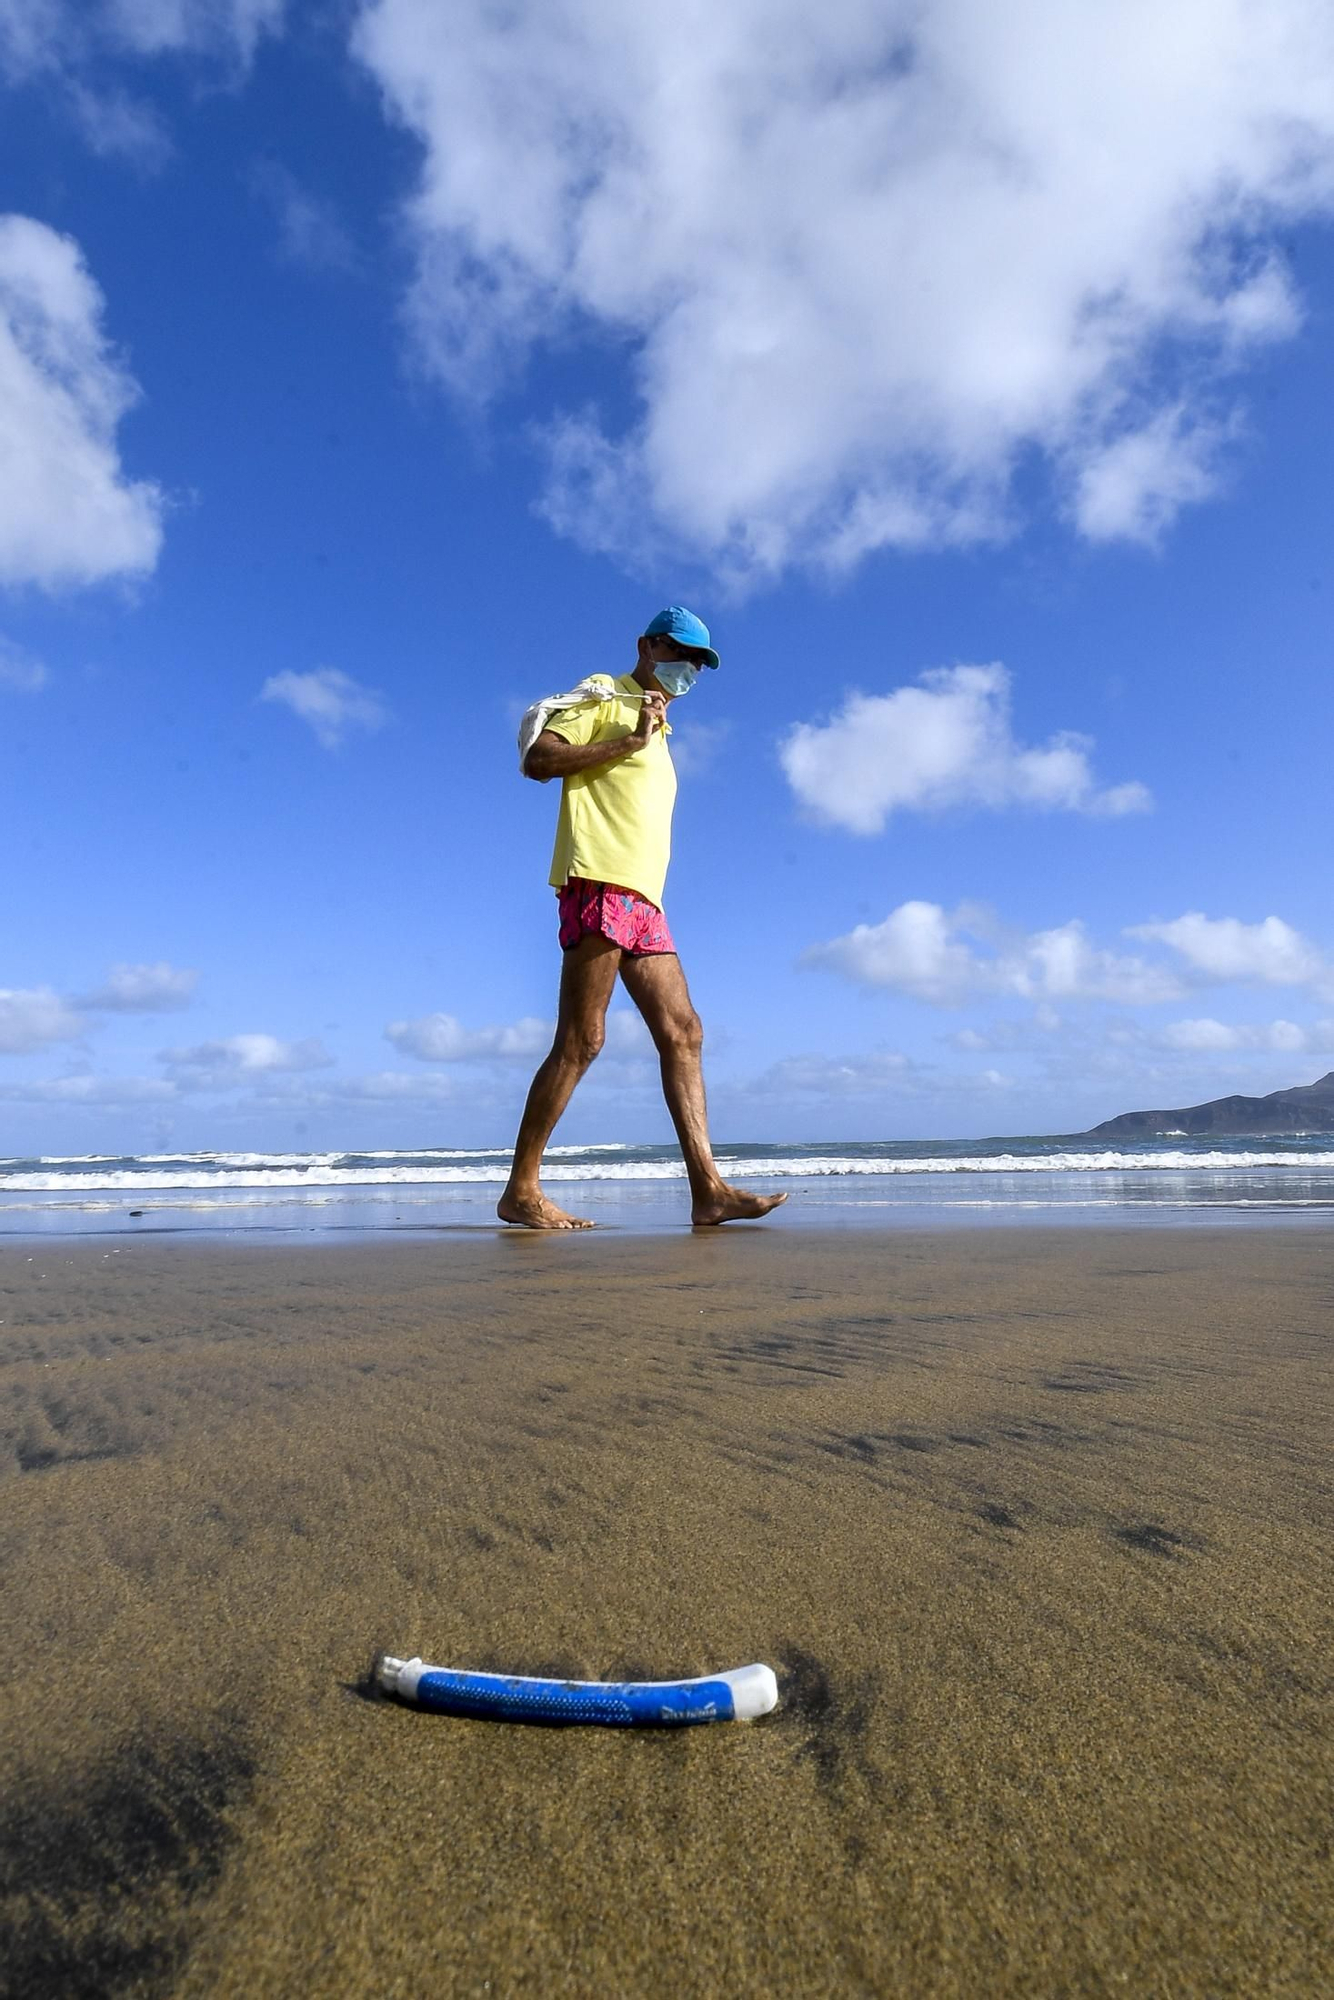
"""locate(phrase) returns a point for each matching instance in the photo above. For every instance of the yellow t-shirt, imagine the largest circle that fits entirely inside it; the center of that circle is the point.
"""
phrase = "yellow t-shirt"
(615, 820)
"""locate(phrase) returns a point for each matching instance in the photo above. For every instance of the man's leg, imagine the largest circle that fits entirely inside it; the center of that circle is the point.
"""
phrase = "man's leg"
(658, 988)
(588, 977)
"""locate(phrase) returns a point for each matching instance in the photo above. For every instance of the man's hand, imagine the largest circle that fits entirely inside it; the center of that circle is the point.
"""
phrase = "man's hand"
(652, 716)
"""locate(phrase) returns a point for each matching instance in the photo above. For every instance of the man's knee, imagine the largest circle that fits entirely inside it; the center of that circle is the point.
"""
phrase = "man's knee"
(580, 1044)
(683, 1033)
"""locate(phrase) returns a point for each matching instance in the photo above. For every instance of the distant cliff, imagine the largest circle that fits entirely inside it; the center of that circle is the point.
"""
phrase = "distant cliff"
(1308, 1108)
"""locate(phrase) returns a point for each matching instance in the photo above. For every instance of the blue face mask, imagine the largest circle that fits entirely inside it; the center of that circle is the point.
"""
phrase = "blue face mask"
(675, 677)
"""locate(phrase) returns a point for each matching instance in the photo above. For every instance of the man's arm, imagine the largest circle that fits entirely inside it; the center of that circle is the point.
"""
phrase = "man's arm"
(552, 757)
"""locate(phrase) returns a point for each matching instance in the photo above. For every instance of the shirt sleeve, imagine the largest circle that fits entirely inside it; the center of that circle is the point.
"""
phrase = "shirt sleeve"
(583, 724)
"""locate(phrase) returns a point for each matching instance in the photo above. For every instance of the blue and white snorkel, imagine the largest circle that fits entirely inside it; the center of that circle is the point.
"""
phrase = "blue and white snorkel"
(740, 1695)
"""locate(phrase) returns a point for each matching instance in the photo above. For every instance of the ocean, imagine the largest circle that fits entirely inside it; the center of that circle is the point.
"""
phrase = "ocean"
(919, 1182)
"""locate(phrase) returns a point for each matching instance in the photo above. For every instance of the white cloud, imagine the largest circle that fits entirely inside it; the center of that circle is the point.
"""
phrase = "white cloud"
(38, 36)
(309, 231)
(831, 1076)
(854, 1079)
(329, 700)
(1061, 964)
(30, 34)
(68, 44)
(978, 1041)
(116, 126)
(1284, 1037)
(1034, 1030)
(68, 515)
(237, 1057)
(697, 747)
(32, 1017)
(1269, 953)
(1136, 485)
(19, 671)
(153, 27)
(868, 257)
(946, 742)
(921, 950)
(913, 951)
(143, 989)
(391, 1086)
(1067, 1043)
(443, 1039)
(627, 1037)
(108, 1092)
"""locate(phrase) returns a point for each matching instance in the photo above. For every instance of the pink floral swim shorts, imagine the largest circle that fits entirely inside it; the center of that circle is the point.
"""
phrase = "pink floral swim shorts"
(601, 909)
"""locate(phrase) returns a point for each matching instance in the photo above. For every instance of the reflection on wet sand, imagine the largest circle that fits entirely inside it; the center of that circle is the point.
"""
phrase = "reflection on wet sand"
(1034, 1527)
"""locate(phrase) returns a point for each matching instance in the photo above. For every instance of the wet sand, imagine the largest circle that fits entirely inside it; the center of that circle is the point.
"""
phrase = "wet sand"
(1034, 1525)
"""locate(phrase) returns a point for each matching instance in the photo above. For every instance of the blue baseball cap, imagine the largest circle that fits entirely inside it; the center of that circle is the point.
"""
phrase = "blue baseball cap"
(681, 625)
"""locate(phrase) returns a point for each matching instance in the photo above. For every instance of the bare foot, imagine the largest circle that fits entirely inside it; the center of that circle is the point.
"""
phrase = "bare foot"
(733, 1205)
(534, 1211)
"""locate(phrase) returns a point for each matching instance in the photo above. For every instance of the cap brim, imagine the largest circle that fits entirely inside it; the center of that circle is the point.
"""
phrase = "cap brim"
(710, 657)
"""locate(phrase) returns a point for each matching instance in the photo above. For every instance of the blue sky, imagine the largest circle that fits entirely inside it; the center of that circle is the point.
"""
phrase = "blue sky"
(971, 377)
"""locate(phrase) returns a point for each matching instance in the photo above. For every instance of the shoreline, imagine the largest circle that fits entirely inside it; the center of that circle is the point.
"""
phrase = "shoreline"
(1032, 1522)
(846, 1185)
(650, 1216)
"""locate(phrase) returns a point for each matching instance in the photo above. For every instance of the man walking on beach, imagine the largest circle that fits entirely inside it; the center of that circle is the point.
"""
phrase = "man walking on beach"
(613, 841)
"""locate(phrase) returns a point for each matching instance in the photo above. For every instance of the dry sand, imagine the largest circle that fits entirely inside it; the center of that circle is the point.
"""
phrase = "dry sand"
(1036, 1527)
